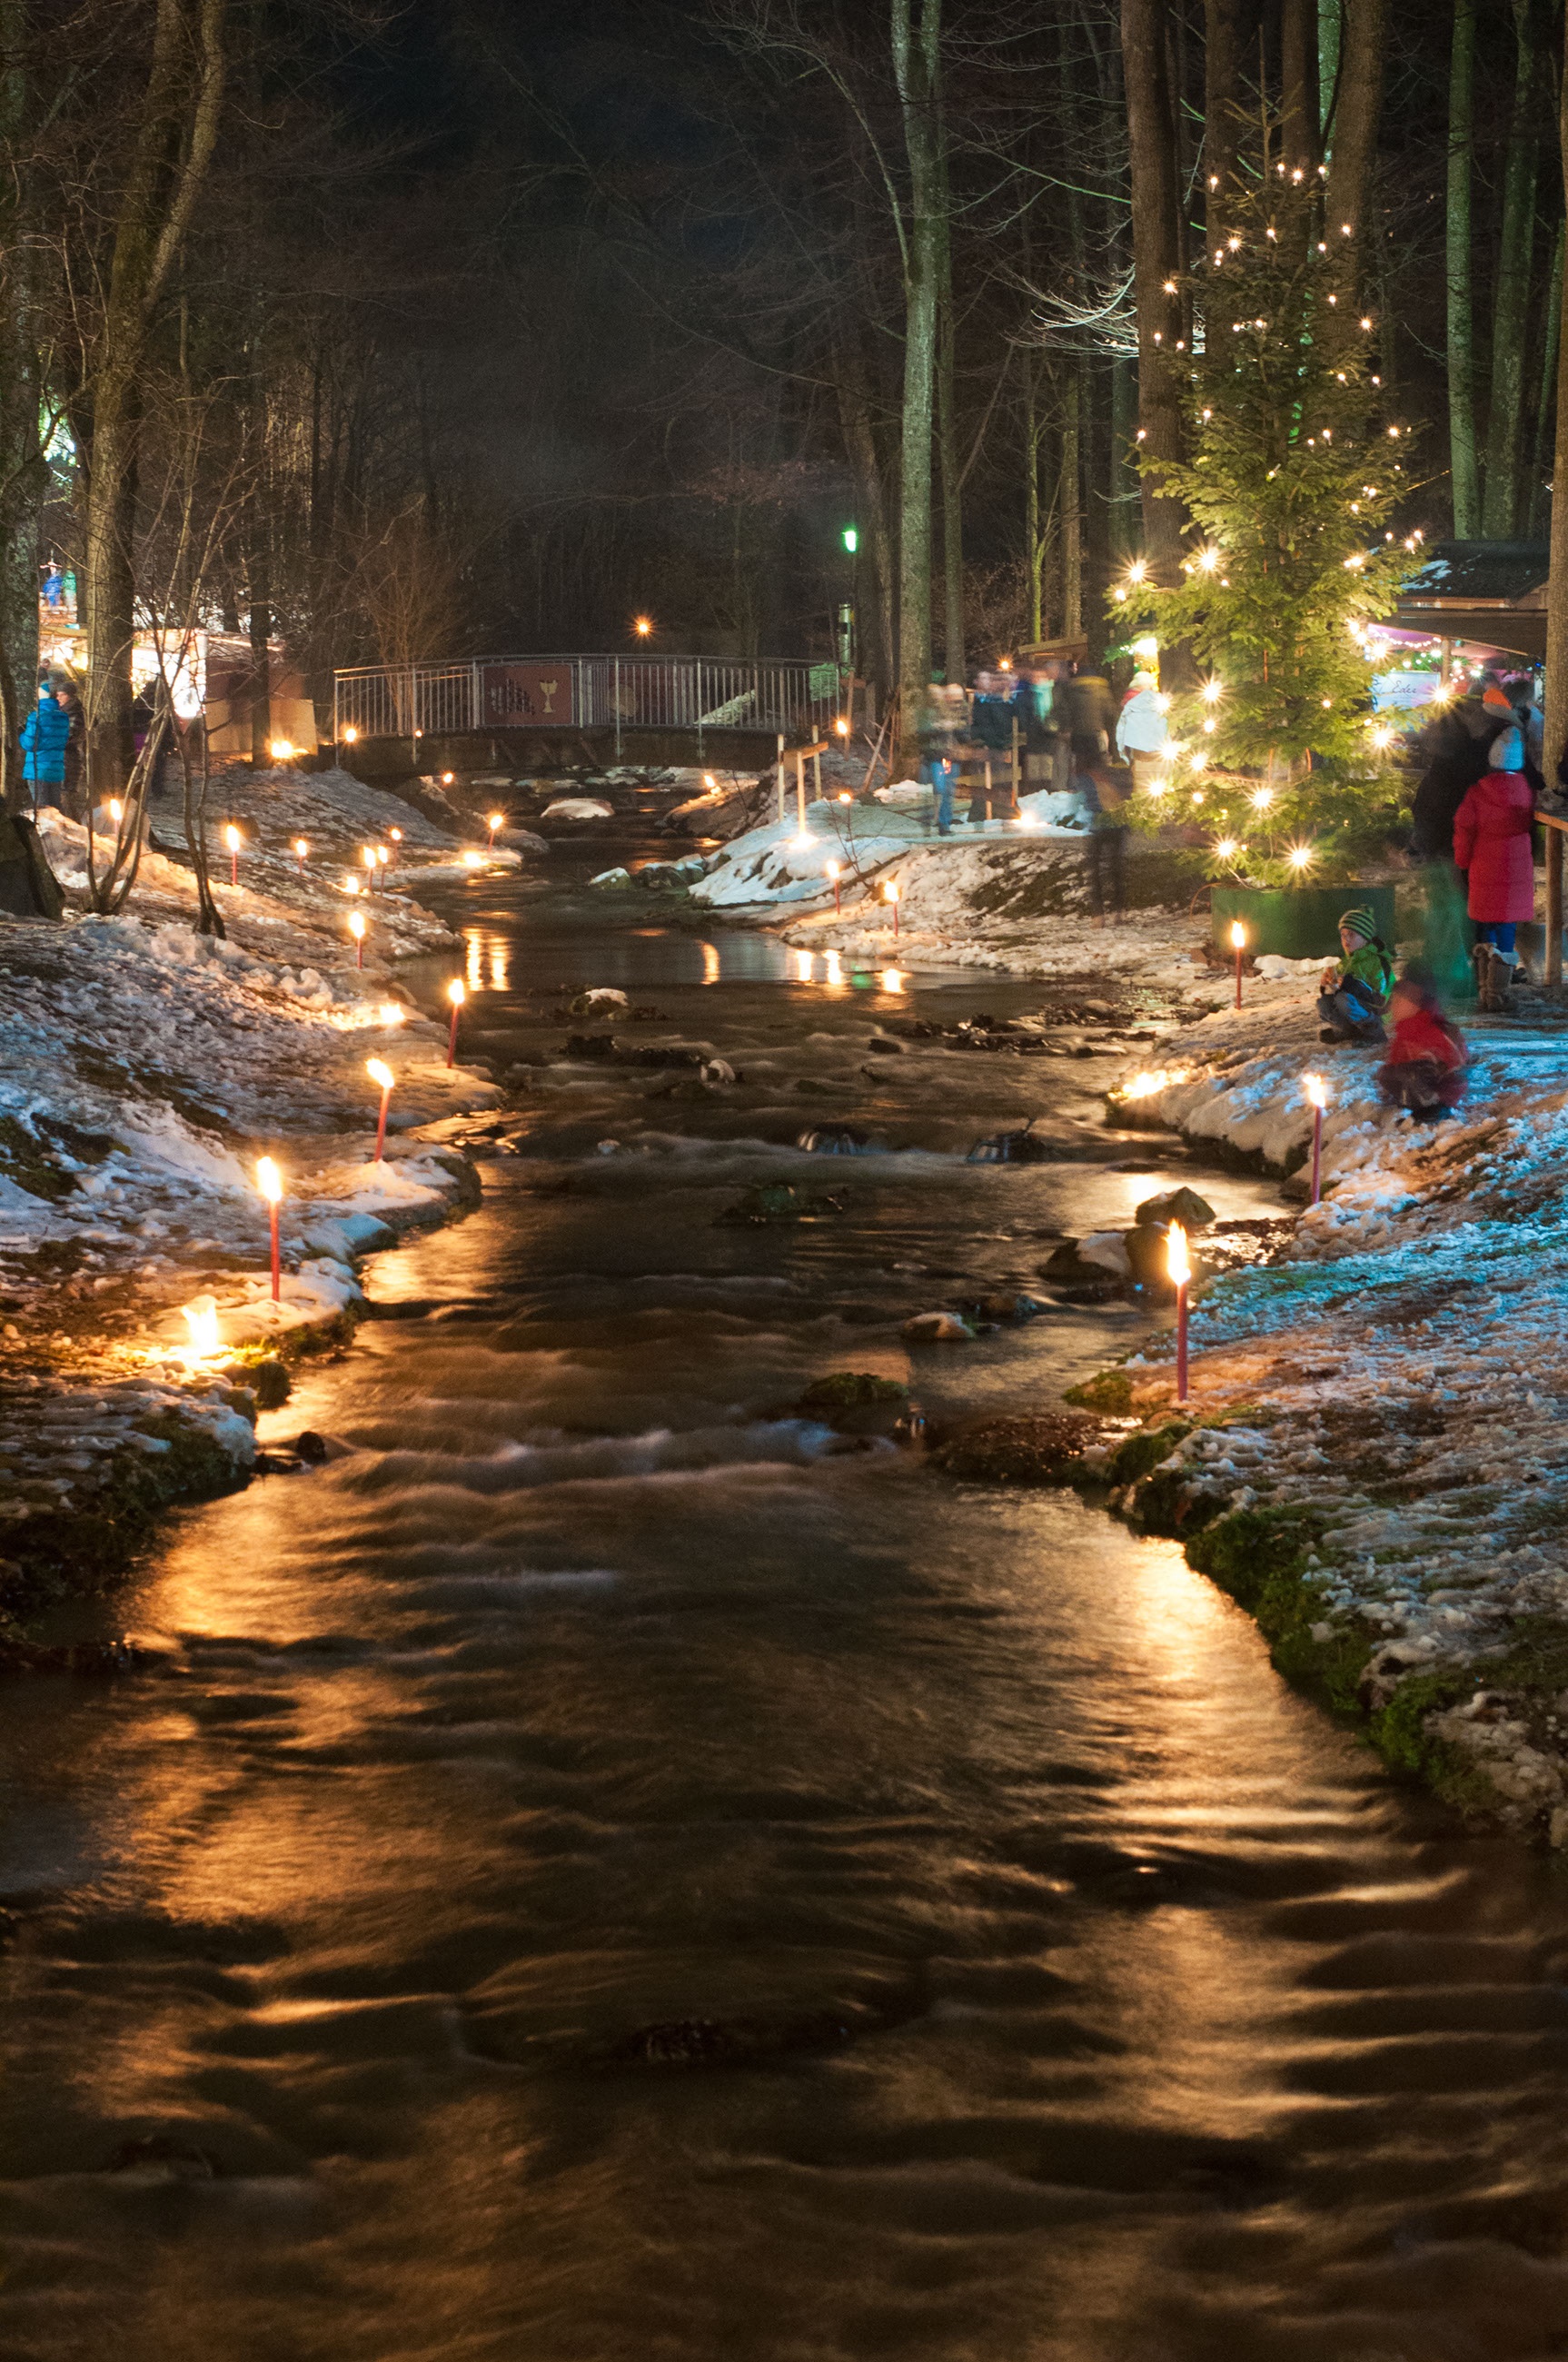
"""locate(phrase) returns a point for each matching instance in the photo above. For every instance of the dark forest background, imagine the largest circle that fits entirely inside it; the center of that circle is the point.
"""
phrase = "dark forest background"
(491, 324)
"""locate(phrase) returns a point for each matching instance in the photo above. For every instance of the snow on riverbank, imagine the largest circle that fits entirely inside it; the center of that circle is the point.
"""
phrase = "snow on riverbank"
(1372, 1457)
(146, 1069)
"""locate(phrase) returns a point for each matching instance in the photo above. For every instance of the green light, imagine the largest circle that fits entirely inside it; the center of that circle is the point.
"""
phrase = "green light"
(850, 538)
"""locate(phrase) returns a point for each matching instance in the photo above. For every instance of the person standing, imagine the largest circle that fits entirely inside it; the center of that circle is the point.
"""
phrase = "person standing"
(1107, 792)
(45, 735)
(938, 768)
(1140, 727)
(1493, 847)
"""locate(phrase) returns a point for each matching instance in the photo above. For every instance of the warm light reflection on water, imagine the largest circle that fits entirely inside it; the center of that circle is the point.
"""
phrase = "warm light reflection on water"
(711, 963)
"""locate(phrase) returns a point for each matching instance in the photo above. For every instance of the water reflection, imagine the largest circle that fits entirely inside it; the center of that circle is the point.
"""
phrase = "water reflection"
(487, 949)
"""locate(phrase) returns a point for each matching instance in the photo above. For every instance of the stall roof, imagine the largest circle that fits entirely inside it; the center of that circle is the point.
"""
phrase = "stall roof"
(1494, 591)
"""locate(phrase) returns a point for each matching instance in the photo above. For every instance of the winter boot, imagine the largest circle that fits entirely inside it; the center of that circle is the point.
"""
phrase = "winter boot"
(1494, 975)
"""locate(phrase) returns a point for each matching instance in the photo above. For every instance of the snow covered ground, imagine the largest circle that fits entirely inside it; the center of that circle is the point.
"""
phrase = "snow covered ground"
(1392, 1394)
(146, 1069)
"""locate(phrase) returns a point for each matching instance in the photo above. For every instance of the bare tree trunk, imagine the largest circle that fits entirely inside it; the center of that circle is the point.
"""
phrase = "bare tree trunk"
(1510, 316)
(1556, 730)
(1158, 263)
(917, 73)
(952, 480)
(1328, 71)
(1363, 44)
(1536, 516)
(1298, 133)
(1461, 298)
(1229, 32)
(1034, 547)
(1070, 509)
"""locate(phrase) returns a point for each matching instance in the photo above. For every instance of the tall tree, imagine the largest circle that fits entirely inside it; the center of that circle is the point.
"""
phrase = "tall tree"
(1511, 310)
(1461, 295)
(1157, 267)
(178, 110)
(917, 73)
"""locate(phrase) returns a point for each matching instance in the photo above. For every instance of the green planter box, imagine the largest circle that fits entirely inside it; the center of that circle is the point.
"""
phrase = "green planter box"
(1298, 921)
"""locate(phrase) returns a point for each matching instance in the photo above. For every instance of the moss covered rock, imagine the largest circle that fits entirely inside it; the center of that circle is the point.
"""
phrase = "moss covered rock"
(1019, 1448)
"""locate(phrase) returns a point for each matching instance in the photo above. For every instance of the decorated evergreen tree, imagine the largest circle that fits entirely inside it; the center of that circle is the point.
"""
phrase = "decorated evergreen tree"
(1290, 482)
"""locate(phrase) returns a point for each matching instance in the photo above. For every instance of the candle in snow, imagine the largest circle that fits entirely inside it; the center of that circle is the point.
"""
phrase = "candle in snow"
(1317, 1094)
(233, 839)
(495, 821)
(457, 996)
(302, 852)
(1238, 940)
(357, 929)
(270, 1181)
(382, 1075)
(1179, 1265)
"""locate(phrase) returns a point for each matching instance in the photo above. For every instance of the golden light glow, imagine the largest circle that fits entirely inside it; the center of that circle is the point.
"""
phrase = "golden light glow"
(202, 1320)
(642, 626)
(357, 925)
(394, 1012)
(1178, 1263)
(381, 1073)
(117, 811)
(833, 868)
(494, 820)
(350, 884)
(302, 847)
(349, 735)
(1260, 799)
(232, 838)
(842, 727)
(1212, 691)
(281, 749)
(892, 979)
(1300, 857)
(1317, 1090)
(1227, 850)
(1238, 935)
(269, 1180)
(889, 892)
(473, 861)
(457, 992)
(1143, 1085)
(368, 855)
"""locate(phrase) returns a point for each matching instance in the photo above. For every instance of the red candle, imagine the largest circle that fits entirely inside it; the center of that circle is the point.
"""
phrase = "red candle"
(1239, 937)
(457, 996)
(232, 839)
(1318, 1092)
(270, 1181)
(382, 1075)
(1179, 1266)
(357, 929)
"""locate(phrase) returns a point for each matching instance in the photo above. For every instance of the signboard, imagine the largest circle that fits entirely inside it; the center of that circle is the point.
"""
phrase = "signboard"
(518, 693)
(1397, 691)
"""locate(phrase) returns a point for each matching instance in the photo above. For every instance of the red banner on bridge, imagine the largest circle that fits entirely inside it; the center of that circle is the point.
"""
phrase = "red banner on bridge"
(514, 693)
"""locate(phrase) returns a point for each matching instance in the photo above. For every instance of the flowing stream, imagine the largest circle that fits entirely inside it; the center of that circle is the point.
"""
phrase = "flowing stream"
(608, 1872)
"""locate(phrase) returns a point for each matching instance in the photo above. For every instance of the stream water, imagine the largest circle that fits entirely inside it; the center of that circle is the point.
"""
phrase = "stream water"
(608, 1872)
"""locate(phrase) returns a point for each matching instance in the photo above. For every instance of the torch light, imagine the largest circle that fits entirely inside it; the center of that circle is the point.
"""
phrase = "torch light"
(494, 820)
(382, 1075)
(834, 872)
(357, 929)
(457, 996)
(233, 839)
(1239, 942)
(270, 1181)
(890, 896)
(1178, 1264)
(1317, 1093)
(302, 852)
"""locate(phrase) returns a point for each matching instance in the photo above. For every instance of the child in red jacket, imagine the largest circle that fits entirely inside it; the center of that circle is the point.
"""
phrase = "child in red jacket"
(1424, 1070)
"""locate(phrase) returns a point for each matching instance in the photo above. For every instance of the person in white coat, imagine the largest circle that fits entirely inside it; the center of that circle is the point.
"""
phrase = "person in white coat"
(1140, 728)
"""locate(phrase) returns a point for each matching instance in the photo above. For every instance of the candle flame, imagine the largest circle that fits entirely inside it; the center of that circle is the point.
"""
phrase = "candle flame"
(357, 924)
(1178, 1261)
(269, 1180)
(393, 1012)
(302, 846)
(496, 819)
(1238, 935)
(833, 868)
(456, 993)
(202, 1320)
(117, 810)
(1317, 1090)
(232, 838)
(379, 1072)
(889, 892)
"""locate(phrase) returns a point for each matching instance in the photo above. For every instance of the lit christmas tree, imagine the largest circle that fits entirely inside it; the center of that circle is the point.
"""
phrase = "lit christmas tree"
(1290, 482)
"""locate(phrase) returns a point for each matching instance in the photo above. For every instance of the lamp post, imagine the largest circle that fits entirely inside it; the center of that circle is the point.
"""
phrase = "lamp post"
(1239, 943)
(1179, 1266)
(457, 996)
(382, 1075)
(1317, 1094)
(270, 1181)
(357, 929)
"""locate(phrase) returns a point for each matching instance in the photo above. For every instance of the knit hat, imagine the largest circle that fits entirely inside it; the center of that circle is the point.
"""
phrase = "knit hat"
(1494, 698)
(1507, 751)
(1359, 922)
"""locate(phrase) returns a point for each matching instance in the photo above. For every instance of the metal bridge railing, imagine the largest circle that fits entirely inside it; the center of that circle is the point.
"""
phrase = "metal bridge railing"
(582, 692)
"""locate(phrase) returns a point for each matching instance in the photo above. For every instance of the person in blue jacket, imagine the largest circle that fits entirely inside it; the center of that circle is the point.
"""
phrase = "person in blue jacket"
(46, 733)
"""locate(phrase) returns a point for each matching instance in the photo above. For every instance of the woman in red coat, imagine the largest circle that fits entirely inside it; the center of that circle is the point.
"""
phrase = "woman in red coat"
(1491, 844)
